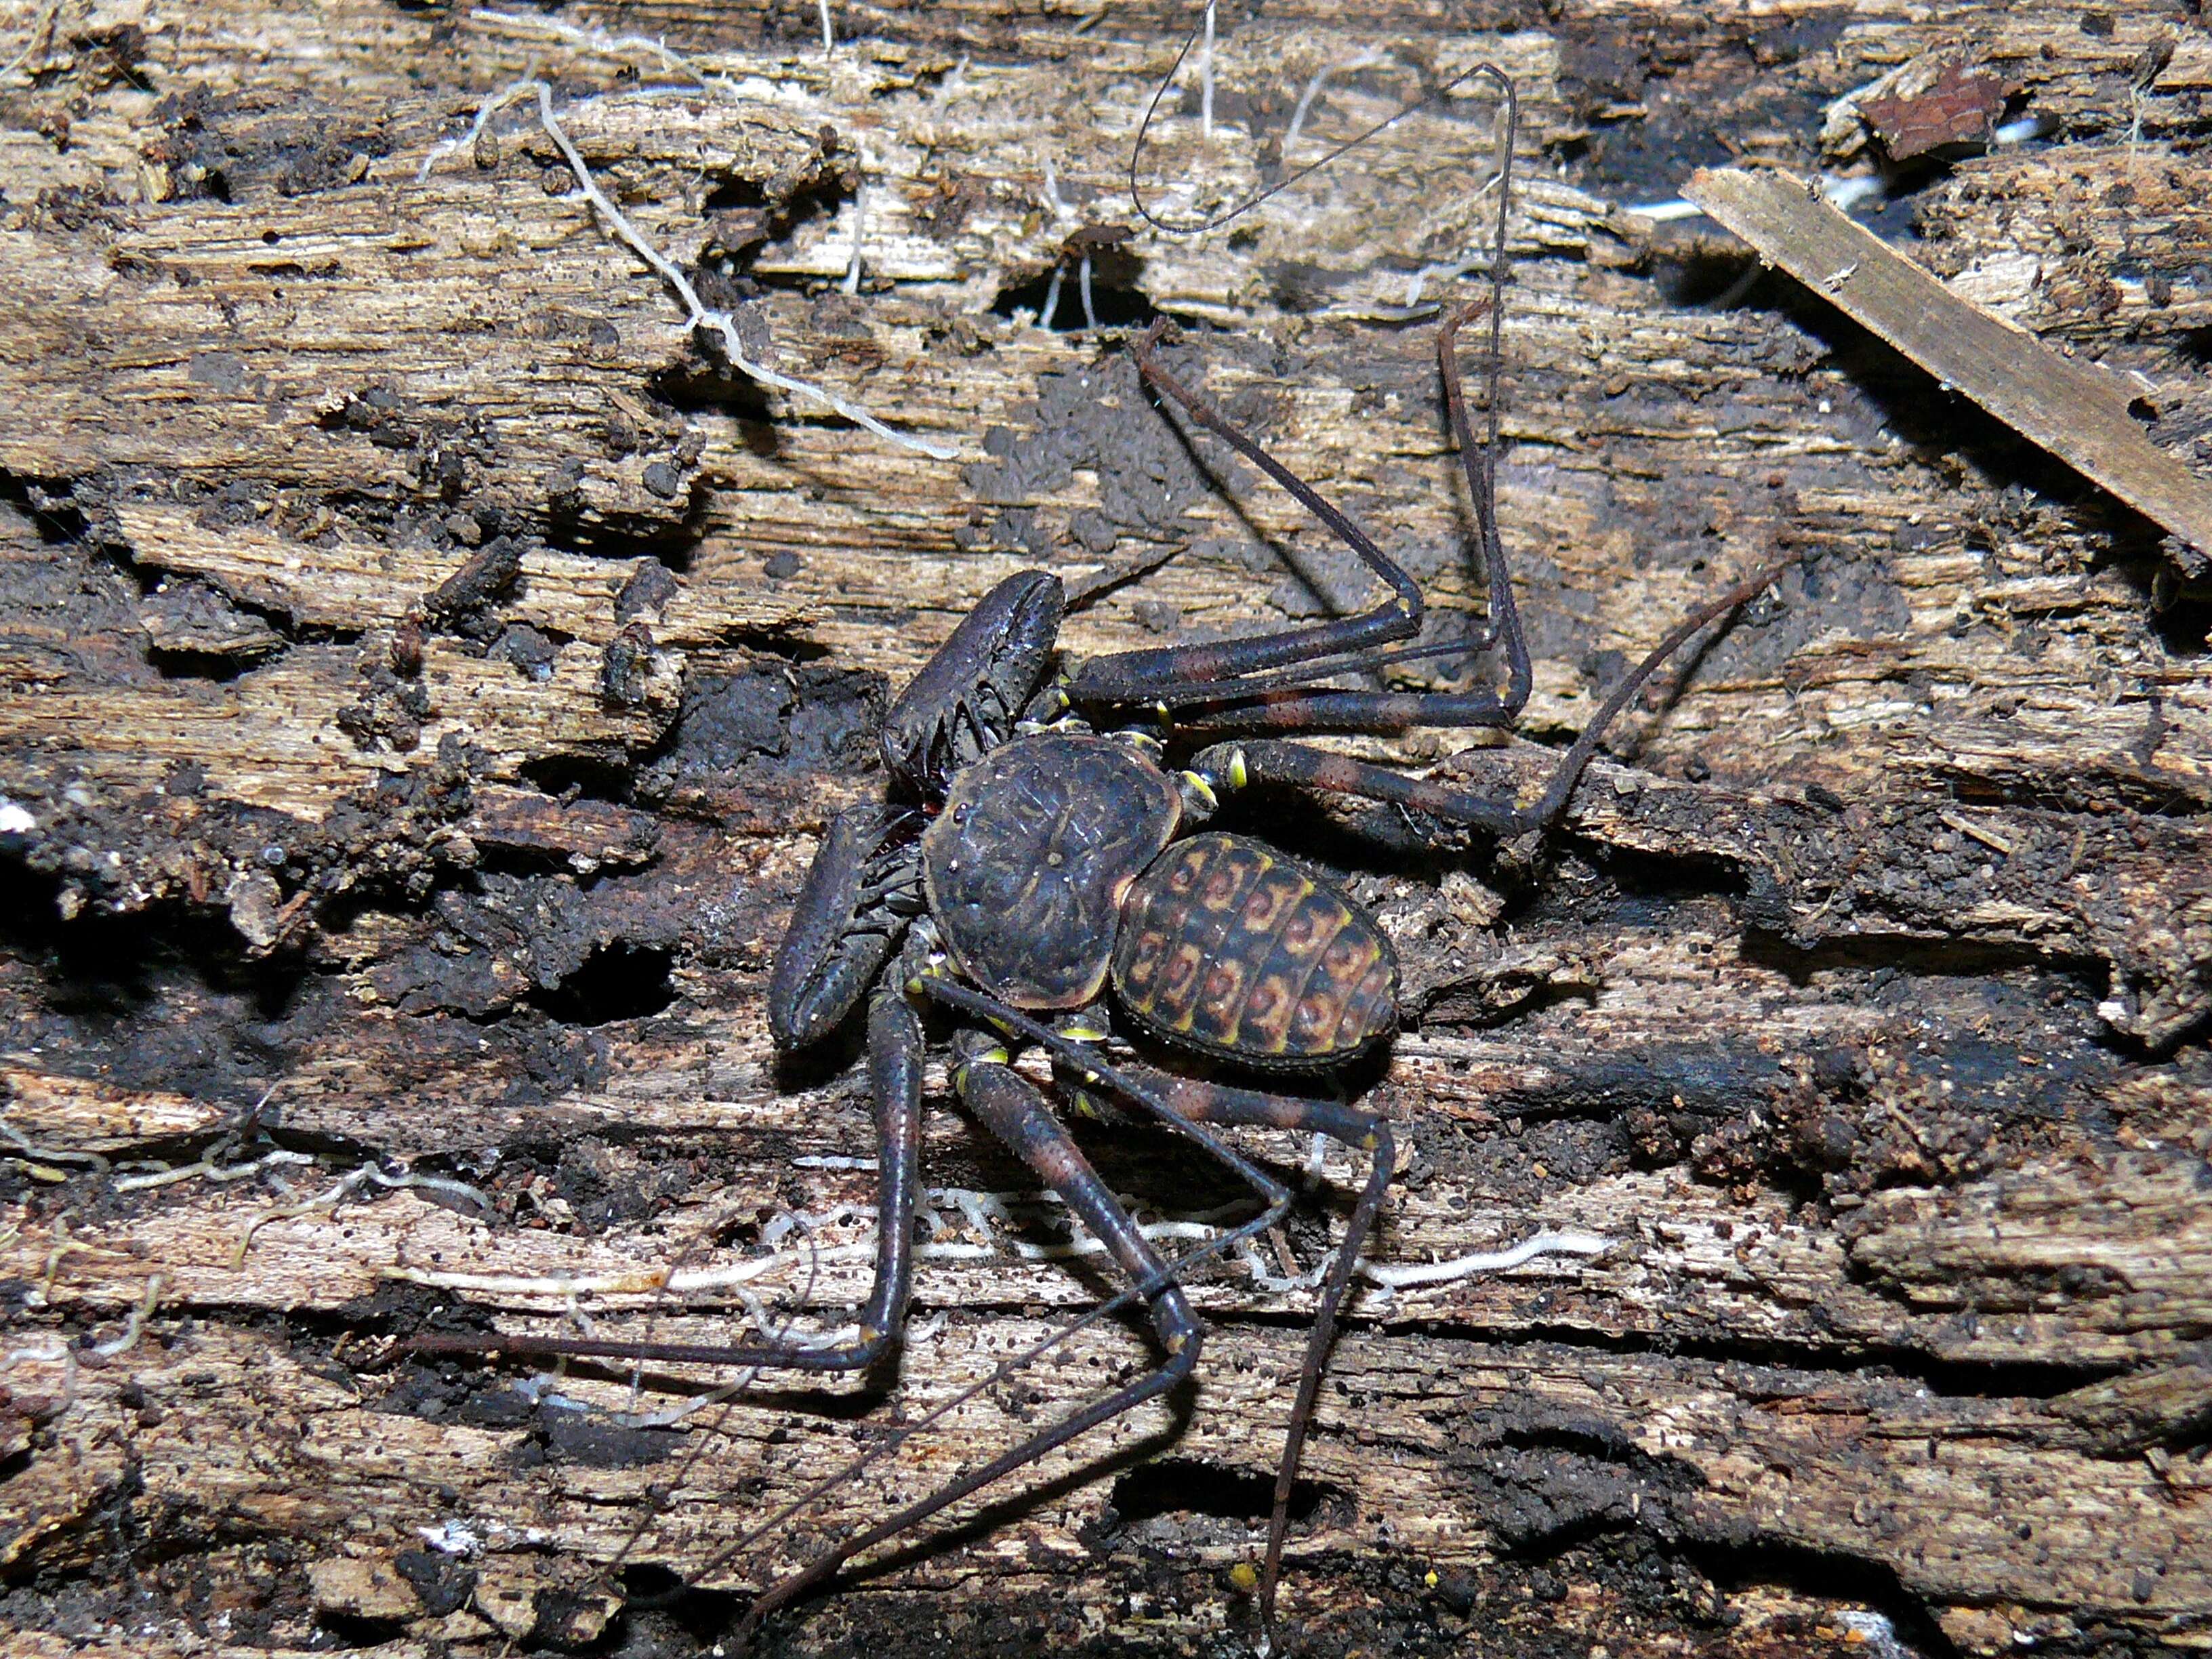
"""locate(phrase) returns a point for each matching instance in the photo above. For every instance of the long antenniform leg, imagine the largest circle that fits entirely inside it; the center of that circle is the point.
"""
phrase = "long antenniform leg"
(1224, 685)
(1010, 1105)
(1231, 674)
(1223, 681)
(1362, 1132)
(895, 1060)
(1236, 670)
(1229, 766)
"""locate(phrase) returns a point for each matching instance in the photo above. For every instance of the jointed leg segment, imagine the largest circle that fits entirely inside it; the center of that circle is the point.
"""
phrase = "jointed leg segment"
(1010, 1106)
(1227, 767)
(894, 1065)
(1361, 1131)
(1233, 675)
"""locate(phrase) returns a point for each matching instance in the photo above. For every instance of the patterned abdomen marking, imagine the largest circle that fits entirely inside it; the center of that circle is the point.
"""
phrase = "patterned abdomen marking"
(1227, 945)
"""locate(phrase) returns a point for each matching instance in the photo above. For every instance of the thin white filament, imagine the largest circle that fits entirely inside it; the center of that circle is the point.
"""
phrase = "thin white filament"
(1206, 77)
(697, 314)
(1349, 66)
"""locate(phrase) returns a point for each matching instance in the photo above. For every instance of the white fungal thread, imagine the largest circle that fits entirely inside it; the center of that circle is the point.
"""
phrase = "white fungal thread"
(369, 1175)
(1206, 77)
(606, 45)
(1344, 66)
(697, 314)
(135, 1324)
(852, 283)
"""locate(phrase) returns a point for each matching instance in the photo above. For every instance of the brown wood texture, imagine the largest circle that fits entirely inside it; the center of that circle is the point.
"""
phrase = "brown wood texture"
(2073, 412)
(424, 675)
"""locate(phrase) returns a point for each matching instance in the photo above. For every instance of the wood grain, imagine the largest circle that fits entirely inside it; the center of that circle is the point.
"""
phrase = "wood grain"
(427, 672)
(2079, 415)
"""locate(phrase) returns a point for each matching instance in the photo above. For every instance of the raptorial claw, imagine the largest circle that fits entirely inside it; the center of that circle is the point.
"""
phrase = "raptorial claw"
(842, 931)
(967, 697)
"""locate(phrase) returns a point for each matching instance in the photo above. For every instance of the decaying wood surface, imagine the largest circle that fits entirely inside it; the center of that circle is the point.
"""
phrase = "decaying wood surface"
(427, 672)
(2071, 409)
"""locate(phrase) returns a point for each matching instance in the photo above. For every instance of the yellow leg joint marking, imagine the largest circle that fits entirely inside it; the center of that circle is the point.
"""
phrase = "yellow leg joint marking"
(1143, 742)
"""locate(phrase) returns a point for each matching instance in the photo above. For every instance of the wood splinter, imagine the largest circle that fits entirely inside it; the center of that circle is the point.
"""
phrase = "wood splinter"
(2074, 409)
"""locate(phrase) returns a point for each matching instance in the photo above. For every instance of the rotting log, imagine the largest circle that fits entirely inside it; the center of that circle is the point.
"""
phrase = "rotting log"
(427, 672)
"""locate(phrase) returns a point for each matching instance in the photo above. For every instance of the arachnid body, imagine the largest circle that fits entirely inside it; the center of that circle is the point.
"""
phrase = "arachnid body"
(1037, 861)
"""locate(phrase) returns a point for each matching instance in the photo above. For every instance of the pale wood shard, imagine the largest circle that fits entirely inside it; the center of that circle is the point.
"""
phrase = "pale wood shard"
(2074, 410)
(337, 583)
(80, 1114)
(424, 675)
